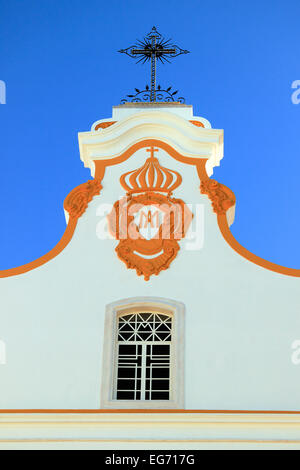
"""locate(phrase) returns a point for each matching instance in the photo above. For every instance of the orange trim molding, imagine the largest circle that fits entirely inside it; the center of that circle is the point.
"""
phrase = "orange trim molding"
(77, 201)
(65, 240)
(100, 165)
(76, 204)
(241, 250)
(104, 125)
(222, 199)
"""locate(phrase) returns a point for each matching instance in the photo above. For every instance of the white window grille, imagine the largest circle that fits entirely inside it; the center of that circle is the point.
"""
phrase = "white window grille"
(144, 356)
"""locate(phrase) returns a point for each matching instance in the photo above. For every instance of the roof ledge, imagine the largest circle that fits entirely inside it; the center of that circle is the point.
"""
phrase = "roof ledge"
(186, 138)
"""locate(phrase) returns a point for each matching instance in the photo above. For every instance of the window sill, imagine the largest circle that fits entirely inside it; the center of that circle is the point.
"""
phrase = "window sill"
(140, 405)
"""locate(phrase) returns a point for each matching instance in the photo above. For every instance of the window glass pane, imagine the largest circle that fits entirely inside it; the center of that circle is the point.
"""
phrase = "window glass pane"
(160, 373)
(124, 384)
(128, 350)
(125, 395)
(126, 373)
(160, 350)
(160, 396)
(160, 385)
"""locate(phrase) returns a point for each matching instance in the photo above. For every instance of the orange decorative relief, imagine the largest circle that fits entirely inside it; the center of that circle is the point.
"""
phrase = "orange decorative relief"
(148, 222)
(77, 201)
(197, 123)
(222, 197)
(104, 125)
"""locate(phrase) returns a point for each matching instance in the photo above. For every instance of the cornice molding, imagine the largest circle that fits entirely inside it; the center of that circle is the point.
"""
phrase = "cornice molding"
(187, 429)
(185, 137)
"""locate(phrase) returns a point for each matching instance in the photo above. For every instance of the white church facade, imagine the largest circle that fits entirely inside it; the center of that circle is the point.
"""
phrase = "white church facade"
(149, 326)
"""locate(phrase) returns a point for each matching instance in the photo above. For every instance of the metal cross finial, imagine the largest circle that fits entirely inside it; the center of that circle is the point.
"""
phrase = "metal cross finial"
(154, 47)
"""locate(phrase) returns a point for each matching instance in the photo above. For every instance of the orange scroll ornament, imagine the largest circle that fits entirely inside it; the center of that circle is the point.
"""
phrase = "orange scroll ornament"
(78, 199)
(222, 198)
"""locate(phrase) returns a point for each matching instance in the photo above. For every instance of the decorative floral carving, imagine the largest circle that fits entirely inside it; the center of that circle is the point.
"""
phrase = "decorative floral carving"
(78, 199)
(147, 267)
(149, 227)
(221, 196)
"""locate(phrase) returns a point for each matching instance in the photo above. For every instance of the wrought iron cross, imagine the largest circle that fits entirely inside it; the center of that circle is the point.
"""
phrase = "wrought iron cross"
(154, 47)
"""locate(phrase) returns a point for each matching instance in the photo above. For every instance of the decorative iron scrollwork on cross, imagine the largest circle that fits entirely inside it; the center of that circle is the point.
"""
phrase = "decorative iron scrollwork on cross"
(167, 96)
(152, 48)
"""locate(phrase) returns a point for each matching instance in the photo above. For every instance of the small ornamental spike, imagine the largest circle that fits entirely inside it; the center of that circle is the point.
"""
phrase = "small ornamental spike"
(152, 48)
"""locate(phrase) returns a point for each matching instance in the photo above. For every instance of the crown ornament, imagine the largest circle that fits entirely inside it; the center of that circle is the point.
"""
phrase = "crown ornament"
(151, 177)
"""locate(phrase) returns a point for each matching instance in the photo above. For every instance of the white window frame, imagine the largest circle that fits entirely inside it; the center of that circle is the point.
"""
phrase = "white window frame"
(110, 352)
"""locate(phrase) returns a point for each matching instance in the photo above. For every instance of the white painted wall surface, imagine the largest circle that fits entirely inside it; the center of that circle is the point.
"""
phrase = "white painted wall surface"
(240, 322)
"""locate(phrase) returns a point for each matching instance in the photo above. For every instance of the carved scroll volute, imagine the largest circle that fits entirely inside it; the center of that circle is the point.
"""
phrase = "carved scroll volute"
(77, 201)
(222, 198)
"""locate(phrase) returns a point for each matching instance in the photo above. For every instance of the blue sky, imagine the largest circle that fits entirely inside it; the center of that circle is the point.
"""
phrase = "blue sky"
(59, 61)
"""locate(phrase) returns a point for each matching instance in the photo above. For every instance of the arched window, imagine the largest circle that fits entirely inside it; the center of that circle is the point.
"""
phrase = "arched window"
(143, 354)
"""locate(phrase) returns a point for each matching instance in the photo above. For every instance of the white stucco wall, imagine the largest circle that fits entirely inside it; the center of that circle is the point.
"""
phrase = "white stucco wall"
(240, 319)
